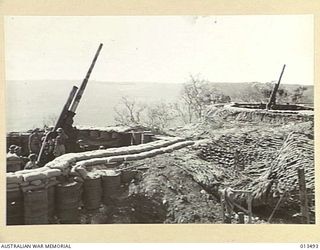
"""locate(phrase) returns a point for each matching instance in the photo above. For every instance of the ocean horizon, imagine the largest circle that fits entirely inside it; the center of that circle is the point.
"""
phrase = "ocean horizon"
(33, 103)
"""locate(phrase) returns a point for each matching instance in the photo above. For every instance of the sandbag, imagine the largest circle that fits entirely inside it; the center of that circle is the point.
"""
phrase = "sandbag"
(73, 171)
(32, 187)
(13, 190)
(65, 171)
(119, 158)
(141, 156)
(129, 158)
(36, 182)
(93, 175)
(105, 134)
(82, 171)
(167, 150)
(24, 183)
(34, 176)
(13, 186)
(60, 165)
(52, 183)
(133, 151)
(153, 153)
(109, 172)
(12, 178)
(52, 173)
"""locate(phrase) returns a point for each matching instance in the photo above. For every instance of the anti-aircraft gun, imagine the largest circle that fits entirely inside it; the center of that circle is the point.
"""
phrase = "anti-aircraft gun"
(273, 96)
(65, 120)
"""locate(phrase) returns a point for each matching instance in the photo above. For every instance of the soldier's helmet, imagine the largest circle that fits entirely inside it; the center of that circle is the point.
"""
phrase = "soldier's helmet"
(32, 156)
(59, 130)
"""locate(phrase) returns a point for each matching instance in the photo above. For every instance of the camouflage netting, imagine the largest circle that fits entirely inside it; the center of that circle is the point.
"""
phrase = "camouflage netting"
(282, 174)
(231, 113)
(264, 161)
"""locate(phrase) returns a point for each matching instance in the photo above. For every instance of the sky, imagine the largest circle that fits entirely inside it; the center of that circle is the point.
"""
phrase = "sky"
(161, 48)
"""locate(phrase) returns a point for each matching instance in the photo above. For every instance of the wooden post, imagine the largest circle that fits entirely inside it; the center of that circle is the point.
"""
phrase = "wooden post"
(222, 207)
(276, 207)
(132, 138)
(241, 217)
(249, 201)
(303, 197)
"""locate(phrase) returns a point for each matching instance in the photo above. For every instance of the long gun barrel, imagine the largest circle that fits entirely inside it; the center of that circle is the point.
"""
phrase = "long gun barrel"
(272, 99)
(84, 82)
(66, 108)
(62, 116)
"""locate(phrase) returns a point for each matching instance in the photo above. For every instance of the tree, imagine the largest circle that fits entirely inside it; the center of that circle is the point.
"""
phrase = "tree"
(197, 94)
(159, 115)
(182, 111)
(191, 97)
(129, 111)
(156, 116)
(298, 94)
(261, 92)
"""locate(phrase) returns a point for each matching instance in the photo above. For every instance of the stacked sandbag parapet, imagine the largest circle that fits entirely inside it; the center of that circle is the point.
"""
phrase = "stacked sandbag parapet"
(34, 188)
(96, 157)
(41, 184)
(66, 161)
(134, 157)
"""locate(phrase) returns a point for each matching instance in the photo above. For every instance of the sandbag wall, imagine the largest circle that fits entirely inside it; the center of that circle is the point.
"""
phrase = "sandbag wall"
(63, 185)
(29, 196)
(107, 137)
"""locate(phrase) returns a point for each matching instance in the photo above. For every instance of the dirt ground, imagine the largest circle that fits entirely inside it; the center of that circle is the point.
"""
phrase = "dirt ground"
(161, 192)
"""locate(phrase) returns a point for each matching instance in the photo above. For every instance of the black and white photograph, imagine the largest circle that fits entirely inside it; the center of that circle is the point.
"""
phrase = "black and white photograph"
(174, 119)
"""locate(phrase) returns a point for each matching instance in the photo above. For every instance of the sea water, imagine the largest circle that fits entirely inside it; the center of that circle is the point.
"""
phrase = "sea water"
(33, 103)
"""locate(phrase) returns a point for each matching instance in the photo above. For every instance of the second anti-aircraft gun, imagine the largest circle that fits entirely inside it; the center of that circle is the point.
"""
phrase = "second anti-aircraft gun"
(272, 99)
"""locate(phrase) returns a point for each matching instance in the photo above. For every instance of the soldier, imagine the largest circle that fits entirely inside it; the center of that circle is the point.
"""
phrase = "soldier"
(34, 144)
(59, 147)
(32, 164)
(48, 147)
(23, 159)
(14, 163)
(12, 152)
